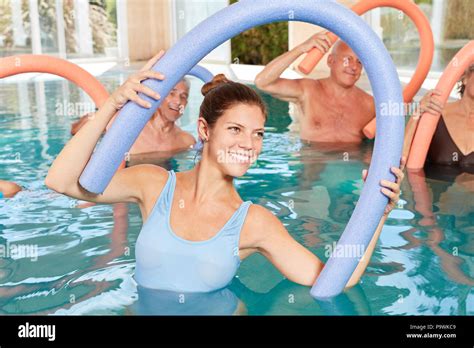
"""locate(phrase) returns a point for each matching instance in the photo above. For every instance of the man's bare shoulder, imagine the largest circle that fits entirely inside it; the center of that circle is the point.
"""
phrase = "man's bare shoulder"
(365, 97)
(310, 86)
(363, 94)
(186, 137)
(310, 83)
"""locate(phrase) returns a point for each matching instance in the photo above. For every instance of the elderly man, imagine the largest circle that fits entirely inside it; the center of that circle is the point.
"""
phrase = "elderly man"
(161, 135)
(331, 110)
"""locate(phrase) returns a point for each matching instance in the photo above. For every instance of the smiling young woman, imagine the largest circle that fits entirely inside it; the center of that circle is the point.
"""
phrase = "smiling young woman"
(197, 229)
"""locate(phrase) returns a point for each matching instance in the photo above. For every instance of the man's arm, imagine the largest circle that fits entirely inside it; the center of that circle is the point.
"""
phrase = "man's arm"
(269, 80)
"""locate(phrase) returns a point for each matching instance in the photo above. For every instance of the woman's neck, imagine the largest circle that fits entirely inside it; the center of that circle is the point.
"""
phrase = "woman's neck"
(208, 182)
(467, 105)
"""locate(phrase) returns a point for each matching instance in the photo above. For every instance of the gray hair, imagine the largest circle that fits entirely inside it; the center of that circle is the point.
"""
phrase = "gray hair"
(187, 82)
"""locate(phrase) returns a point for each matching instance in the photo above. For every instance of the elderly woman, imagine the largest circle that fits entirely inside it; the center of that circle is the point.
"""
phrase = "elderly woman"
(453, 142)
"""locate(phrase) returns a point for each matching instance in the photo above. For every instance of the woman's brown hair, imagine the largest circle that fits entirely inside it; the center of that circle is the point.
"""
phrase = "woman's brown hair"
(221, 94)
(467, 73)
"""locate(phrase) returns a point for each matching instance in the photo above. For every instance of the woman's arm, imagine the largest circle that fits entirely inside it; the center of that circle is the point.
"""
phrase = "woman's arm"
(364, 261)
(392, 191)
(63, 176)
(294, 261)
(271, 239)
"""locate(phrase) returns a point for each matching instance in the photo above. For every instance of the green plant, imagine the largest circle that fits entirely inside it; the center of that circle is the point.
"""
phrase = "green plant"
(111, 7)
(459, 18)
(6, 30)
(261, 44)
(103, 31)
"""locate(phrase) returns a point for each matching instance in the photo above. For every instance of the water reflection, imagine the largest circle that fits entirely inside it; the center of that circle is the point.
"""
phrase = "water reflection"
(422, 265)
(161, 302)
(288, 298)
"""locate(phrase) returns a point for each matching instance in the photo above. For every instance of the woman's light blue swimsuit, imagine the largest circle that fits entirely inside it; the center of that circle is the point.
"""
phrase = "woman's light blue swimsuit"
(164, 302)
(168, 262)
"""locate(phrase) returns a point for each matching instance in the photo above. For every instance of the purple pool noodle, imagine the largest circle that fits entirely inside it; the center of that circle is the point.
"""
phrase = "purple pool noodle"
(229, 22)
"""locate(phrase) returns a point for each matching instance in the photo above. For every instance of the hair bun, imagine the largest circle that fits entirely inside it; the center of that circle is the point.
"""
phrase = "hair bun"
(218, 80)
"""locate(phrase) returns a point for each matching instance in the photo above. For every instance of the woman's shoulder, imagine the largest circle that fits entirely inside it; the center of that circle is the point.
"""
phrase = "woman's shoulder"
(152, 182)
(260, 222)
(150, 170)
(451, 109)
(151, 176)
(259, 214)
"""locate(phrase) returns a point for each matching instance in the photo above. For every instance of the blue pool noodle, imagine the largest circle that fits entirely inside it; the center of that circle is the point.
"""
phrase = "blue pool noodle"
(201, 73)
(229, 22)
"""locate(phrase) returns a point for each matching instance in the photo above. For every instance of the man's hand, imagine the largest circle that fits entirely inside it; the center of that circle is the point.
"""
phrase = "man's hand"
(320, 41)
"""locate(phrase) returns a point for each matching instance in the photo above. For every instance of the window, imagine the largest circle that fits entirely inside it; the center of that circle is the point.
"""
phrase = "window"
(57, 27)
(451, 22)
(189, 13)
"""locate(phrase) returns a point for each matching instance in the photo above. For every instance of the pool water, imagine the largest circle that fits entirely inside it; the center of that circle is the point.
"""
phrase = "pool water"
(60, 256)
